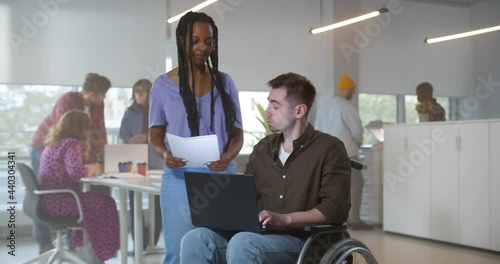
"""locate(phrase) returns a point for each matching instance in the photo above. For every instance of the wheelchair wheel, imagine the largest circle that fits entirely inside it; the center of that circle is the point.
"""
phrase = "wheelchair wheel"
(348, 251)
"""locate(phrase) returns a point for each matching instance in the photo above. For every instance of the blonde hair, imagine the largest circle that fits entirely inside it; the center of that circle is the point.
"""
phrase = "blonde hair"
(73, 124)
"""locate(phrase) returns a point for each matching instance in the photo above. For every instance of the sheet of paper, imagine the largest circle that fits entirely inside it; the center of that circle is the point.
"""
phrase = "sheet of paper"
(197, 151)
(121, 175)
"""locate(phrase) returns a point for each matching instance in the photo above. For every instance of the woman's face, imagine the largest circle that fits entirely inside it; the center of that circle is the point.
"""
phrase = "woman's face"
(141, 95)
(203, 43)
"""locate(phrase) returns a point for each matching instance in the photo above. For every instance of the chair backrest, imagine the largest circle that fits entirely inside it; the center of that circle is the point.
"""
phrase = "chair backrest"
(32, 202)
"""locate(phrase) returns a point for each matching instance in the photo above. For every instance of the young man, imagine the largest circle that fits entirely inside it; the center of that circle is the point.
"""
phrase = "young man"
(339, 118)
(91, 101)
(302, 177)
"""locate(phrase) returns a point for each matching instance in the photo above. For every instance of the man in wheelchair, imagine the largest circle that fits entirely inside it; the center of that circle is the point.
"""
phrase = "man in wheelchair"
(302, 177)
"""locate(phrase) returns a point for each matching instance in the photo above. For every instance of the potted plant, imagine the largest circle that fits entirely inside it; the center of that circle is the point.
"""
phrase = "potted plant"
(424, 110)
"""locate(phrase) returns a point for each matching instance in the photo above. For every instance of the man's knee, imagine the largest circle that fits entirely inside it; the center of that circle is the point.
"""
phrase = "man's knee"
(243, 243)
(195, 238)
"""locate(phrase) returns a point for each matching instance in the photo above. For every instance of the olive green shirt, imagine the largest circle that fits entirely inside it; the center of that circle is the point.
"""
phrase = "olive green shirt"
(317, 174)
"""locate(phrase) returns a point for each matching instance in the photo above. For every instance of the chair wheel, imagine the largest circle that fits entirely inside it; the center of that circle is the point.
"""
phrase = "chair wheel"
(348, 251)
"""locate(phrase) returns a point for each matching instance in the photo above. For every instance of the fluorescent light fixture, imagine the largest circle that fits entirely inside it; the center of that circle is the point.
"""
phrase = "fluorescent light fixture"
(349, 21)
(462, 35)
(194, 9)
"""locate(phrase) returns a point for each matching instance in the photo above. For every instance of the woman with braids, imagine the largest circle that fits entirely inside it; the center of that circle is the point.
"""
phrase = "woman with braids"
(194, 99)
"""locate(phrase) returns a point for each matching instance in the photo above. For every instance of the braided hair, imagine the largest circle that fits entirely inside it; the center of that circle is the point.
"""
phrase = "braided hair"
(185, 28)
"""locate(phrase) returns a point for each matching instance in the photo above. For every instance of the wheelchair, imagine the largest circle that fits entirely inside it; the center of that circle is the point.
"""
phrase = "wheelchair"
(329, 244)
(332, 244)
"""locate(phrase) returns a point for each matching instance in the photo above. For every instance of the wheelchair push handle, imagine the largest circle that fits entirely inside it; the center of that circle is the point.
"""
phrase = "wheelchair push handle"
(356, 165)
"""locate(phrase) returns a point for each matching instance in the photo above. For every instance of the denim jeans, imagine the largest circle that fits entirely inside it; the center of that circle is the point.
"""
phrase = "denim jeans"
(176, 217)
(203, 245)
(40, 232)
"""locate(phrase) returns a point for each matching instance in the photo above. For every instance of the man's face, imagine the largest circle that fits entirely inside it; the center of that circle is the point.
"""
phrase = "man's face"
(97, 98)
(280, 114)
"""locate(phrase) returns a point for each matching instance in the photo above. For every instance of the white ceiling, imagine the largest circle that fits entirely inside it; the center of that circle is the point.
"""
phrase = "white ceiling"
(452, 2)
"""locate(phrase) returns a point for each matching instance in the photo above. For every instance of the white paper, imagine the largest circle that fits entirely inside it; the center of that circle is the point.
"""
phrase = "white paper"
(197, 151)
(121, 175)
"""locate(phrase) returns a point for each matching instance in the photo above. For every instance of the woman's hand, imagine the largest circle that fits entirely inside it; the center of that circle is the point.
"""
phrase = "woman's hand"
(173, 162)
(221, 164)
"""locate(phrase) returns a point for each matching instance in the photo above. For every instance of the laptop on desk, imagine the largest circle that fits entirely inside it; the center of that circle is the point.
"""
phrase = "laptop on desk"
(224, 201)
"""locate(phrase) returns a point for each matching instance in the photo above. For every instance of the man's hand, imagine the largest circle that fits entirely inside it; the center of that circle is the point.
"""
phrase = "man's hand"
(221, 164)
(173, 162)
(274, 219)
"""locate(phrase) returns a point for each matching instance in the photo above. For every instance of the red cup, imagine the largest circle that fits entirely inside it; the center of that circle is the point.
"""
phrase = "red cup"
(142, 168)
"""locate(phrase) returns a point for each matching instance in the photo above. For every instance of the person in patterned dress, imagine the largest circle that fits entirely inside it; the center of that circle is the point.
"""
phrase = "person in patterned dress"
(61, 167)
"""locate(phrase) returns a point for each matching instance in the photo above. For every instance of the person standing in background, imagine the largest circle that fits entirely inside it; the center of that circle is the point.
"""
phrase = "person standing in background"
(134, 130)
(339, 118)
(91, 101)
(424, 94)
(195, 99)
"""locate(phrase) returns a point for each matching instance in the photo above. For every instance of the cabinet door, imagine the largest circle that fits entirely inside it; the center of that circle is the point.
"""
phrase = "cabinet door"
(395, 184)
(495, 185)
(419, 179)
(444, 183)
(473, 168)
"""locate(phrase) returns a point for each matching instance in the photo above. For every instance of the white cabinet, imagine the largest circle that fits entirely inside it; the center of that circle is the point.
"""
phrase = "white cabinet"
(418, 212)
(407, 180)
(395, 184)
(495, 185)
(442, 181)
(473, 171)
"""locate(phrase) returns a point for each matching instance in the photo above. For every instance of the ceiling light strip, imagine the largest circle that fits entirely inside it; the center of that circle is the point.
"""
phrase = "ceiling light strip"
(462, 35)
(194, 9)
(348, 21)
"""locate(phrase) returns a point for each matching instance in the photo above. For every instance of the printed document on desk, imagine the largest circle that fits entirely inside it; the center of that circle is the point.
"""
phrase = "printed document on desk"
(120, 175)
(197, 151)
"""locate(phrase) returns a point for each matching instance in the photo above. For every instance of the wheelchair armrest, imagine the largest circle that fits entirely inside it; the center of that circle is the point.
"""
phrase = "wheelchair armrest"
(79, 205)
(324, 228)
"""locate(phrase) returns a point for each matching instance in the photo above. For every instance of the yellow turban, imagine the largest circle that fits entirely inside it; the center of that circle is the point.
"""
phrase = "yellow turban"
(346, 82)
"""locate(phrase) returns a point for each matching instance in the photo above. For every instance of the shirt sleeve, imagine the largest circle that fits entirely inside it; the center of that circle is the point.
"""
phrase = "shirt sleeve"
(353, 123)
(73, 160)
(233, 94)
(156, 100)
(335, 187)
(125, 132)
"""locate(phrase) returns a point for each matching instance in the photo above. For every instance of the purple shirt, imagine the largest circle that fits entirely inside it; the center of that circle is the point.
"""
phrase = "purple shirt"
(166, 108)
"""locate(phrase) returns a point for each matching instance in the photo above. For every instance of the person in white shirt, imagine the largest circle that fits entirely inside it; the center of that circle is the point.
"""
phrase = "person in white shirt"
(338, 117)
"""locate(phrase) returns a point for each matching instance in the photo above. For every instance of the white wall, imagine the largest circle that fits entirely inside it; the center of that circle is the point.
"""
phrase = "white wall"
(59, 41)
(393, 58)
(261, 39)
(484, 99)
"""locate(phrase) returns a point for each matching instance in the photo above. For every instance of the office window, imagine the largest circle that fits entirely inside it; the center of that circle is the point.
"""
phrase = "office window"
(411, 115)
(22, 108)
(376, 107)
(116, 103)
(253, 129)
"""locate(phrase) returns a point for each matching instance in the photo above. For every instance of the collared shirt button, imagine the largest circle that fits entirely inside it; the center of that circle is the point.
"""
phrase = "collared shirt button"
(281, 196)
(284, 176)
(301, 146)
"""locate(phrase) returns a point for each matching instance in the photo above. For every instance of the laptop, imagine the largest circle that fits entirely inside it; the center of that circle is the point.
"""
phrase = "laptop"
(224, 201)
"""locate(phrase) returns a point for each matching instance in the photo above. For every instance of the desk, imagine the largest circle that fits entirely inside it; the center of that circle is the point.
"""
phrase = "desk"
(150, 185)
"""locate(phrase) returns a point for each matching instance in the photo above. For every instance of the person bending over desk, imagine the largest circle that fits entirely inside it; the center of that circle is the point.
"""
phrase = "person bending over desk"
(302, 177)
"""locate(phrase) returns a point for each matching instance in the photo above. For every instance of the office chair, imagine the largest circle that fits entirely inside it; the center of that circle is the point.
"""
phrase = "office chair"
(32, 208)
(329, 244)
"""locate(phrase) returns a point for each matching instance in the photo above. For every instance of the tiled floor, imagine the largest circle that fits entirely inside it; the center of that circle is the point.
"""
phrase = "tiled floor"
(388, 249)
